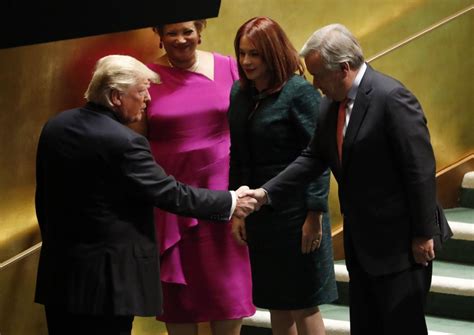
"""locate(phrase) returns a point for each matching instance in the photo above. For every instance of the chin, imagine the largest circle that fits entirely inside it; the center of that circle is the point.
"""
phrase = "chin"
(131, 120)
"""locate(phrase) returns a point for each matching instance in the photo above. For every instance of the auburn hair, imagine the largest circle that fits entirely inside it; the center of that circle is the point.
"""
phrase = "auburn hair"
(274, 48)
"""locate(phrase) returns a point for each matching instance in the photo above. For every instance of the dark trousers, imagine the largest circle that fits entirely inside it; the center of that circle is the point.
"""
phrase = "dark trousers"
(389, 304)
(61, 322)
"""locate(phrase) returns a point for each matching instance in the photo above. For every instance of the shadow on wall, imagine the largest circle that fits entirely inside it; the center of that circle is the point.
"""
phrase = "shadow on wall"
(78, 67)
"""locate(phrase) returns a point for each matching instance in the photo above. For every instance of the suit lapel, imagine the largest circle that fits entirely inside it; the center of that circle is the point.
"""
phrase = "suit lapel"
(359, 110)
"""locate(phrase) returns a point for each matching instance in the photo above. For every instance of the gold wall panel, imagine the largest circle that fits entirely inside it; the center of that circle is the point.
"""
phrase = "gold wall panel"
(39, 81)
(438, 67)
(378, 24)
(19, 315)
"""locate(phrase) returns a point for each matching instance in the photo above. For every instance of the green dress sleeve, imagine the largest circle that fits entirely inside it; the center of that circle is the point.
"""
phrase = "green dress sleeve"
(304, 112)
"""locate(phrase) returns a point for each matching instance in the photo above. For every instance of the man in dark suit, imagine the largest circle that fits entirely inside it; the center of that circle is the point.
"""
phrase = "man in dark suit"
(97, 183)
(385, 168)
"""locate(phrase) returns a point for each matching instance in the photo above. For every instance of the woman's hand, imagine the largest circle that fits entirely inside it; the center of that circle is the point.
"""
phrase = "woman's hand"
(312, 232)
(238, 230)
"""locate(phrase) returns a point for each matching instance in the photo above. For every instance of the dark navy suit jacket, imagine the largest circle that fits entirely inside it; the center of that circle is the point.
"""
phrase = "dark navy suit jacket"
(386, 178)
(97, 184)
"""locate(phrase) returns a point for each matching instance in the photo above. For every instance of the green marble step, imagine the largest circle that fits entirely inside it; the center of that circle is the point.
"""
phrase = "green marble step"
(336, 321)
(466, 198)
(460, 214)
(454, 270)
(453, 250)
(460, 248)
(444, 274)
(461, 221)
(435, 324)
(451, 294)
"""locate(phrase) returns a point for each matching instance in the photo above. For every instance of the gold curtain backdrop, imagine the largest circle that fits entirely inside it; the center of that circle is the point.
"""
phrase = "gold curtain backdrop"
(41, 80)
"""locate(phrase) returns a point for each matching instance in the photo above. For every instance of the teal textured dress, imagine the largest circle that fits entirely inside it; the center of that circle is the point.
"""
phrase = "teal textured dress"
(268, 131)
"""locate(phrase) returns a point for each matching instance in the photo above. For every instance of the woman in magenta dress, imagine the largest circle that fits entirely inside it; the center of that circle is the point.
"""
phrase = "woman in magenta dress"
(204, 272)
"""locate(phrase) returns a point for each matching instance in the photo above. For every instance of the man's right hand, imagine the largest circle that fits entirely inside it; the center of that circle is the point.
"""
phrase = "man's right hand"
(245, 204)
(258, 194)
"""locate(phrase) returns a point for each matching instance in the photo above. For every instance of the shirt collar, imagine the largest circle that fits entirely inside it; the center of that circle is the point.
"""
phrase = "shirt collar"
(355, 85)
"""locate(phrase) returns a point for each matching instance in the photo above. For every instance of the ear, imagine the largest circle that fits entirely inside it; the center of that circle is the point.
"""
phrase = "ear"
(116, 98)
(345, 68)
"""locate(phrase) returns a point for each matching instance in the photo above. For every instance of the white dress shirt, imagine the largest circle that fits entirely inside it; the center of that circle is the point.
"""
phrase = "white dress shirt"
(352, 95)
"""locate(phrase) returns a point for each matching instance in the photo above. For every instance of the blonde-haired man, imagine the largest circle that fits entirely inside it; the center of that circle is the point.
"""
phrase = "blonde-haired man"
(97, 184)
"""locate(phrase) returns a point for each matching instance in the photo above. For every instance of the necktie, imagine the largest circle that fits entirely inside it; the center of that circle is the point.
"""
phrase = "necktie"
(341, 120)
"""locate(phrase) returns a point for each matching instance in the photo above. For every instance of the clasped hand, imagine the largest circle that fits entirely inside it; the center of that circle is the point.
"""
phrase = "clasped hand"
(248, 201)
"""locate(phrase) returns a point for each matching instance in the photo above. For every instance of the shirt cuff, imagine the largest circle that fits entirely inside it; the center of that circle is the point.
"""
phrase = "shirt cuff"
(234, 203)
(269, 201)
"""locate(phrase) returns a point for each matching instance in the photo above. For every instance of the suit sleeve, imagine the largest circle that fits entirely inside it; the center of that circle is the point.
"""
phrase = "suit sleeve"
(410, 140)
(304, 113)
(298, 174)
(239, 173)
(145, 179)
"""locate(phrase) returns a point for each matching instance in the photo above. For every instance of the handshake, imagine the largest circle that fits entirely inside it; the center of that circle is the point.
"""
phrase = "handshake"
(249, 201)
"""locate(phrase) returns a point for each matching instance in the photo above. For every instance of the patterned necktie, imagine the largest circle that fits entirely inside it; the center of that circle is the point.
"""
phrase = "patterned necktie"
(341, 120)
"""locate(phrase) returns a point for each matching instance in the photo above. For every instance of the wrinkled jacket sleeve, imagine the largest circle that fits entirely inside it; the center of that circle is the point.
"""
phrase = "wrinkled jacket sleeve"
(145, 178)
(304, 113)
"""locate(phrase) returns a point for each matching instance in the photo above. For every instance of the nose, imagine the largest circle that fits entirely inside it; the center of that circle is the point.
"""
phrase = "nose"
(147, 96)
(245, 59)
(180, 39)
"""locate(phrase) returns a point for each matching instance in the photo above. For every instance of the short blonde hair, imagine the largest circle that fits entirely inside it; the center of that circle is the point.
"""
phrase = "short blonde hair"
(116, 72)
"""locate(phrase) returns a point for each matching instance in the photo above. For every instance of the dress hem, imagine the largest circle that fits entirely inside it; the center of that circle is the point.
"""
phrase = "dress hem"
(206, 319)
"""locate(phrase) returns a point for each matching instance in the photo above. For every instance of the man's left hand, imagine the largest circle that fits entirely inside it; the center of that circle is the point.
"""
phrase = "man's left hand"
(423, 250)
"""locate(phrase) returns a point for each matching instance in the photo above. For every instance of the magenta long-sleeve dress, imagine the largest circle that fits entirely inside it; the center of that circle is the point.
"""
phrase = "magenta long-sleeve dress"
(204, 272)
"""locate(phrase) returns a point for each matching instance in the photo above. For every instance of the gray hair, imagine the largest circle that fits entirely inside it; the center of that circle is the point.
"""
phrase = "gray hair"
(336, 45)
(116, 72)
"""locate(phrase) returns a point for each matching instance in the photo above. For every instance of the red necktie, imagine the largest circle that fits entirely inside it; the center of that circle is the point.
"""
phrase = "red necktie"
(341, 120)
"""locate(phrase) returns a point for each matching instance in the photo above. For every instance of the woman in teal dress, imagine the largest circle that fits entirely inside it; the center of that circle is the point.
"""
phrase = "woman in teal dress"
(272, 118)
